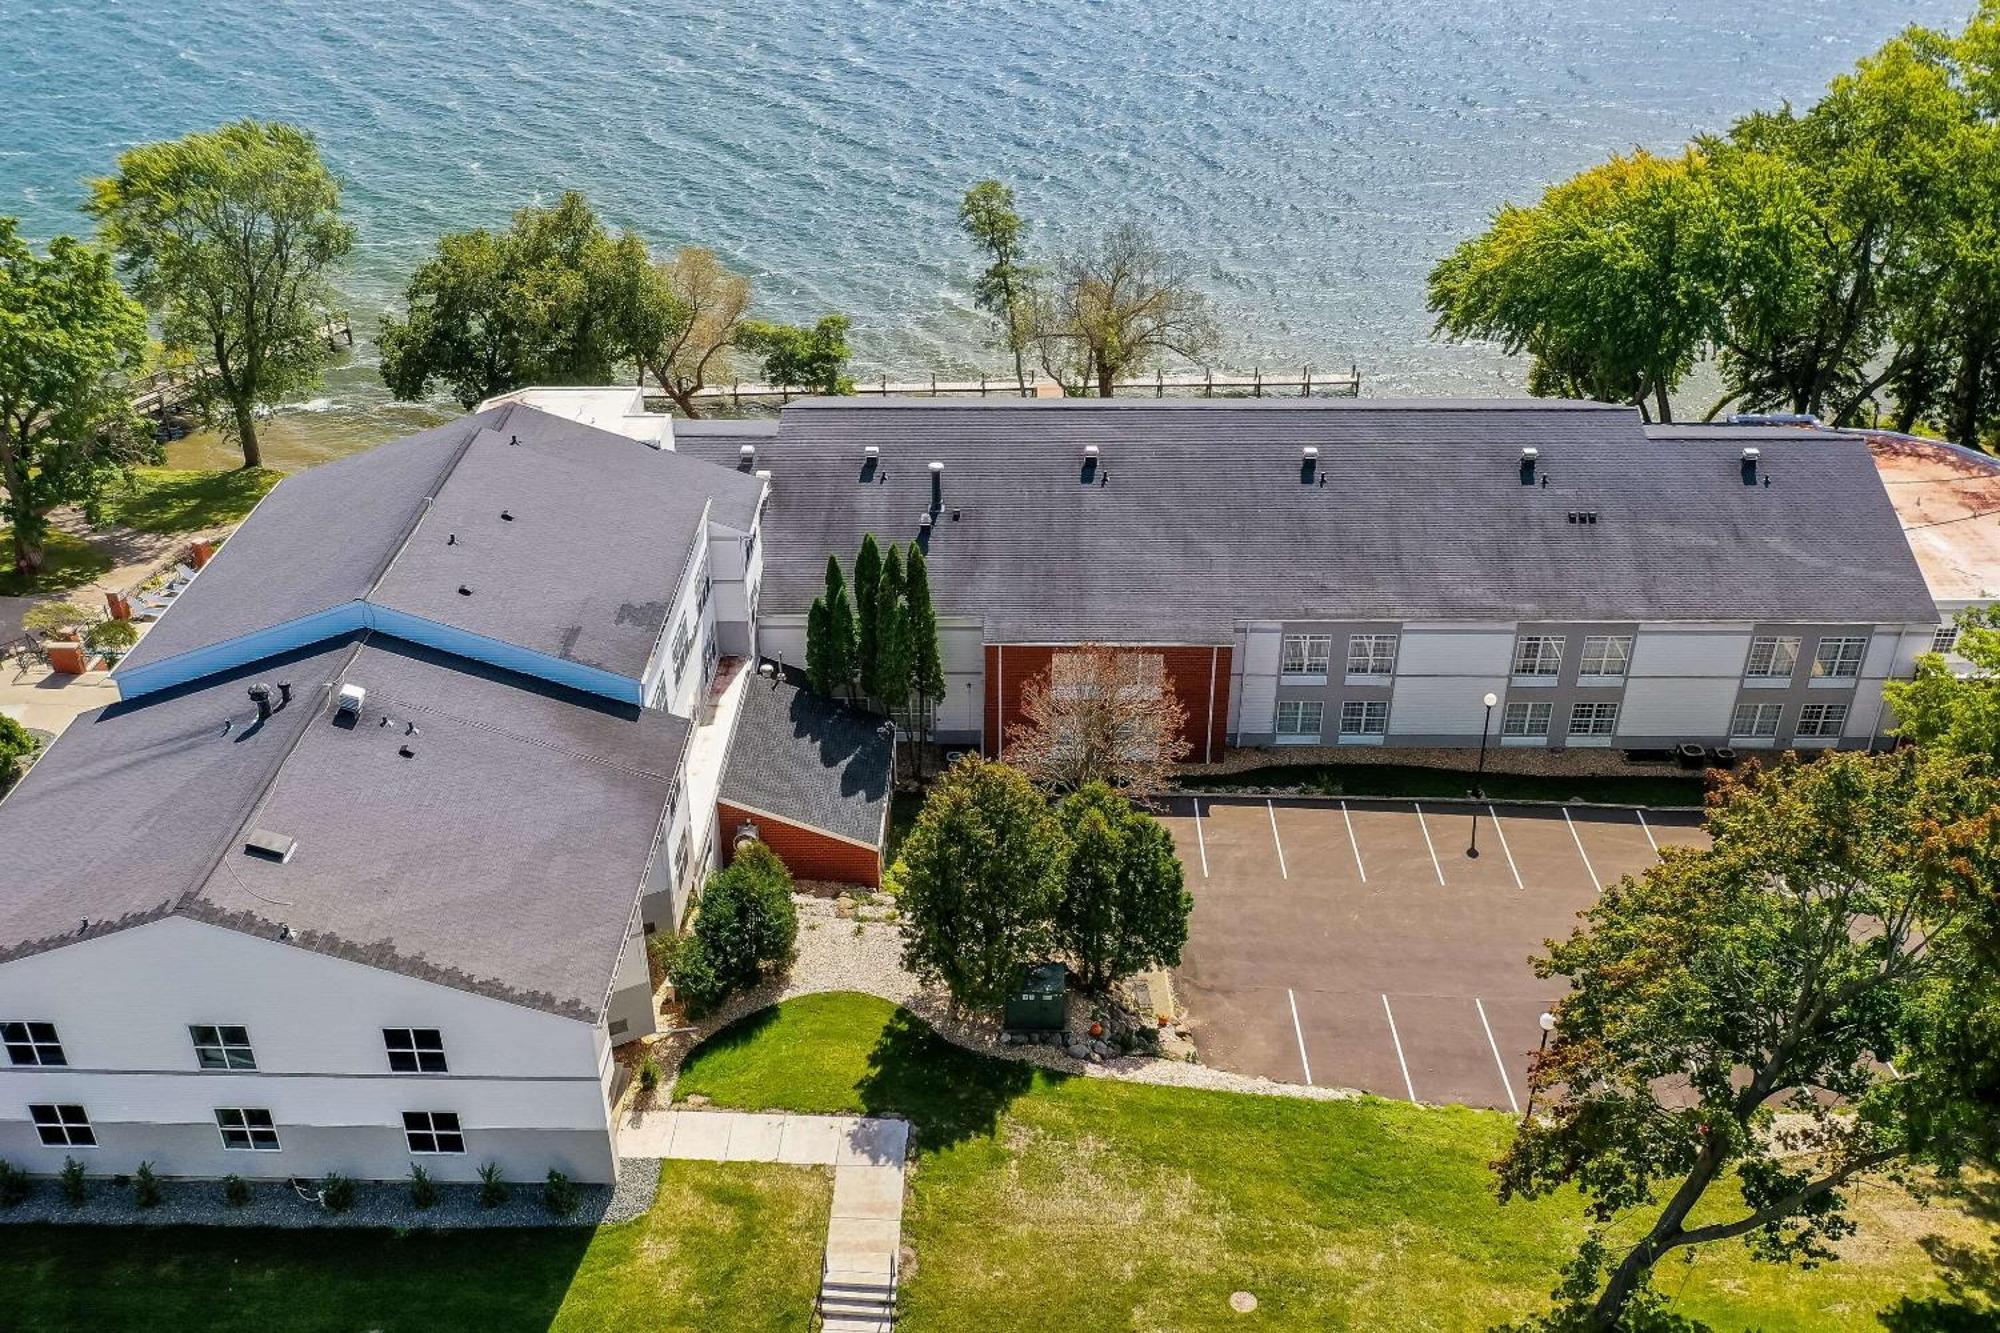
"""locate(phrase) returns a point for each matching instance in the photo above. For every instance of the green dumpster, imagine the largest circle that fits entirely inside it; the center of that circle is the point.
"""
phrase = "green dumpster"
(1039, 1002)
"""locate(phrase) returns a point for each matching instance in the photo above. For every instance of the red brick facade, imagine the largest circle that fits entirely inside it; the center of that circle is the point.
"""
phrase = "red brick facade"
(807, 852)
(1199, 674)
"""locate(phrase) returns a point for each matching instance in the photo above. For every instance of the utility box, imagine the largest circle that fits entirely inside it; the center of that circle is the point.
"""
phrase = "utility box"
(1040, 1003)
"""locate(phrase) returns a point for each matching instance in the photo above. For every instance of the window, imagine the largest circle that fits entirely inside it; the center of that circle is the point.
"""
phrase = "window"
(1838, 658)
(415, 1050)
(1773, 656)
(682, 851)
(704, 585)
(1371, 655)
(1605, 655)
(63, 1126)
(1822, 719)
(1593, 719)
(32, 1043)
(1301, 717)
(1753, 720)
(1526, 719)
(683, 642)
(433, 1131)
(222, 1047)
(1539, 655)
(246, 1129)
(1364, 717)
(1306, 654)
(1945, 639)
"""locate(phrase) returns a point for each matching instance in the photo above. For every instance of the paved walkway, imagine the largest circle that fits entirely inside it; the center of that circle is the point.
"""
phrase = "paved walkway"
(865, 1231)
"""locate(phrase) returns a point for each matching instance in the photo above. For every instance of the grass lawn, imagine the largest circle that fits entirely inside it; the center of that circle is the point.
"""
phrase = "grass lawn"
(728, 1245)
(67, 564)
(1045, 1201)
(1431, 783)
(161, 499)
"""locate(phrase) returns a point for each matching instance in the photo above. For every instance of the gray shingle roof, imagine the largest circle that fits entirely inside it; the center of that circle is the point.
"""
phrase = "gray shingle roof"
(809, 761)
(1196, 516)
(504, 857)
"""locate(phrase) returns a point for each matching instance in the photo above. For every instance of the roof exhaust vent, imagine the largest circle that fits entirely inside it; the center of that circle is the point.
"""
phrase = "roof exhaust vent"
(1308, 464)
(1751, 457)
(284, 693)
(1310, 451)
(269, 846)
(349, 703)
(937, 468)
(924, 519)
(260, 694)
(747, 452)
(1529, 455)
(1090, 451)
(872, 451)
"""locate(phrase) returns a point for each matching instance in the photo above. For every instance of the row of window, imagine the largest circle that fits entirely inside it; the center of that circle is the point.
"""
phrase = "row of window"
(1778, 655)
(1604, 655)
(1312, 654)
(227, 1046)
(1302, 718)
(244, 1129)
(1535, 719)
(1754, 721)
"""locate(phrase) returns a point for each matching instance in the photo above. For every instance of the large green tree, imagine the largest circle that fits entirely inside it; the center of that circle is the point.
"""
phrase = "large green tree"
(1124, 905)
(890, 683)
(867, 591)
(553, 299)
(810, 357)
(1004, 289)
(231, 237)
(67, 330)
(1949, 713)
(1809, 1003)
(691, 316)
(1117, 303)
(921, 635)
(830, 636)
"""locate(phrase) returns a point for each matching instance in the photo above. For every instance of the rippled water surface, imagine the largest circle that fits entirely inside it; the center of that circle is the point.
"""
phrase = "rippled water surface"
(1314, 159)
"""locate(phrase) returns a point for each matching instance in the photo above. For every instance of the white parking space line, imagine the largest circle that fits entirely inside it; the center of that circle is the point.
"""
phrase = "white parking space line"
(1595, 882)
(1359, 868)
(1505, 1082)
(1273, 811)
(1503, 847)
(1300, 1033)
(1428, 844)
(1649, 830)
(1199, 840)
(1408, 1086)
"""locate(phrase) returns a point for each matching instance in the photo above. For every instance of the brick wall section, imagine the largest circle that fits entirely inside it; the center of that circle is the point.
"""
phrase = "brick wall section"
(1010, 667)
(808, 853)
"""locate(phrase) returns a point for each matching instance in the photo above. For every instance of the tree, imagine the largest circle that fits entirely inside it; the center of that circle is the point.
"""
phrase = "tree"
(1119, 302)
(976, 879)
(867, 591)
(1124, 905)
(818, 649)
(803, 358)
(921, 635)
(1807, 1003)
(746, 924)
(554, 299)
(1004, 289)
(66, 428)
(1942, 712)
(704, 303)
(16, 744)
(230, 236)
(839, 649)
(891, 684)
(1101, 714)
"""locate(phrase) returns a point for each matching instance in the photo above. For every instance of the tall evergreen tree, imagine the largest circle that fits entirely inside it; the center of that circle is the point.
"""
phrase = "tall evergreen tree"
(867, 582)
(816, 648)
(892, 636)
(839, 646)
(921, 636)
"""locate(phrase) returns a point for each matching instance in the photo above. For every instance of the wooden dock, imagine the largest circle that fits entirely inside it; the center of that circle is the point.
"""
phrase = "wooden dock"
(157, 394)
(1257, 384)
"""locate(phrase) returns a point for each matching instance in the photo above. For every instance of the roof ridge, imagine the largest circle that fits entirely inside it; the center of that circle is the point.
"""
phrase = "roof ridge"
(423, 510)
(510, 734)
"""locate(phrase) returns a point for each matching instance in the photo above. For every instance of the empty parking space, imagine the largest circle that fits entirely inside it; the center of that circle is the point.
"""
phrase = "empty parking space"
(1357, 943)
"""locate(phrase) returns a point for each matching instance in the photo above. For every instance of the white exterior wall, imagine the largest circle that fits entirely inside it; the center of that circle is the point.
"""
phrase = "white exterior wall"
(528, 1086)
(1443, 673)
(681, 694)
(961, 713)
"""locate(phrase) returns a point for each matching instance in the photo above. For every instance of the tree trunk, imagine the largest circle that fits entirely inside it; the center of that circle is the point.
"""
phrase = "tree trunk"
(246, 431)
(1104, 381)
(1967, 390)
(28, 555)
(1639, 1261)
(1666, 409)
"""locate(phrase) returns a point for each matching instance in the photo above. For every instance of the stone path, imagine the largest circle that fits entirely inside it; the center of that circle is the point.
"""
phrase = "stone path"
(865, 1231)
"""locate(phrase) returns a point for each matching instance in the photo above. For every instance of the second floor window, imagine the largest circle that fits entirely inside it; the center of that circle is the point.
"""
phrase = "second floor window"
(1306, 654)
(1371, 655)
(415, 1050)
(1539, 655)
(1839, 658)
(32, 1043)
(1605, 655)
(683, 643)
(1773, 656)
(1944, 639)
(222, 1047)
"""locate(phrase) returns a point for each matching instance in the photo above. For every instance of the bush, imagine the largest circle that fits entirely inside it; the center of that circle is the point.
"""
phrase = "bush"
(697, 980)
(235, 1191)
(423, 1190)
(13, 1185)
(56, 618)
(146, 1187)
(746, 922)
(337, 1192)
(559, 1194)
(660, 948)
(71, 1182)
(650, 1074)
(492, 1189)
(111, 636)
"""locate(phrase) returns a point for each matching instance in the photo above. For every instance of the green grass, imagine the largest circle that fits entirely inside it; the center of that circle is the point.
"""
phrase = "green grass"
(67, 564)
(1432, 783)
(159, 499)
(727, 1245)
(1045, 1201)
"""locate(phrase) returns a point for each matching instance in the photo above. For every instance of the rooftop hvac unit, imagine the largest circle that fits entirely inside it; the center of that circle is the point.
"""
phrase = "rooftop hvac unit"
(270, 846)
(350, 701)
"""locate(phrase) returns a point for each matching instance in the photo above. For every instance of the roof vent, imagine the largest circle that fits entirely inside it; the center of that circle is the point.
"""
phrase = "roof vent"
(1528, 456)
(1751, 456)
(464, 591)
(747, 452)
(763, 474)
(1310, 451)
(1090, 451)
(284, 693)
(350, 701)
(937, 468)
(406, 752)
(506, 516)
(1308, 464)
(924, 519)
(269, 846)
(260, 694)
(872, 451)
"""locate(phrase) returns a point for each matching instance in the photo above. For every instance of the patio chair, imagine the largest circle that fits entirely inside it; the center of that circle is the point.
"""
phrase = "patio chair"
(144, 603)
(184, 574)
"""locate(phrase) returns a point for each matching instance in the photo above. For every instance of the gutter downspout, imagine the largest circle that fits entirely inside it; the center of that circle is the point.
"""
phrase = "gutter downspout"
(1208, 720)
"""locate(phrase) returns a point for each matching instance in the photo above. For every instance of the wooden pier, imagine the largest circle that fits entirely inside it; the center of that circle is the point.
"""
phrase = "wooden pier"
(1306, 384)
(157, 394)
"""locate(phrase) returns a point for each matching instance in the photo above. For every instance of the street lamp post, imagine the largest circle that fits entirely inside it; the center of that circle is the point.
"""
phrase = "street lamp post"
(1548, 1021)
(1479, 776)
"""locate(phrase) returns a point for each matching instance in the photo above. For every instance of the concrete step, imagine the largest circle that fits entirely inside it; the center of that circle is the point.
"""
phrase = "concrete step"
(845, 1325)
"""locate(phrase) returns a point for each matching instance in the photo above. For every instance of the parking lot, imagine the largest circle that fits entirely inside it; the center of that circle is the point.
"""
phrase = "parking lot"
(1357, 944)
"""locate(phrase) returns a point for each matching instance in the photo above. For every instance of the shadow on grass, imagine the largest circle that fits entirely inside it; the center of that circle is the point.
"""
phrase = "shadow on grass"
(949, 1093)
(67, 564)
(1970, 1273)
(174, 500)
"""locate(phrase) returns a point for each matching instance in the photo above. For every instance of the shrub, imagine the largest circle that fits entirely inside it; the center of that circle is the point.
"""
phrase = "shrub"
(746, 923)
(57, 617)
(337, 1192)
(16, 743)
(660, 948)
(559, 1194)
(71, 1182)
(13, 1185)
(492, 1189)
(650, 1074)
(235, 1191)
(423, 1190)
(111, 636)
(146, 1187)
(697, 979)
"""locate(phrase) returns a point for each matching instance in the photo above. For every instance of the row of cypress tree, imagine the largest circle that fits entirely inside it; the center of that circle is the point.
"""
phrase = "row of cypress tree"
(882, 643)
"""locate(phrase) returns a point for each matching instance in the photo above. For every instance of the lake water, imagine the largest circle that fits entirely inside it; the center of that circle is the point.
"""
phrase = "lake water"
(1312, 159)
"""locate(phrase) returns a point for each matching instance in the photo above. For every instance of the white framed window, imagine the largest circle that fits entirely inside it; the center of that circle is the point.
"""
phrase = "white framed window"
(1371, 654)
(1822, 719)
(1300, 719)
(1538, 655)
(32, 1043)
(63, 1126)
(415, 1050)
(683, 643)
(1838, 658)
(1526, 719)
(1598, 719)
(1944, 639)
(222, 1046)
(246, 1129)
(704, 585)
(1773, 655)
(1605, 655)
(1364, 717)
(433, 1132)
(1306, 654)
(1753, 721)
